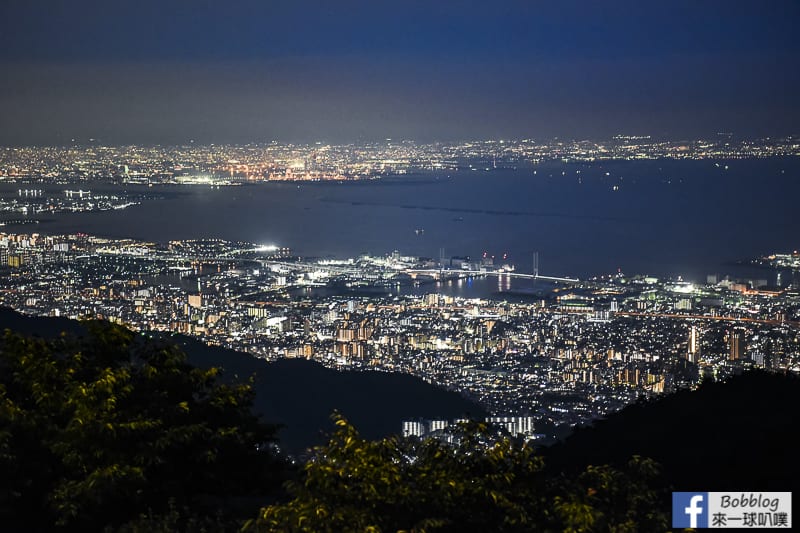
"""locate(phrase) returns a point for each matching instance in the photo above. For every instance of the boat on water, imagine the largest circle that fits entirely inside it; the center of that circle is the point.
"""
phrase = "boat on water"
(419, 231)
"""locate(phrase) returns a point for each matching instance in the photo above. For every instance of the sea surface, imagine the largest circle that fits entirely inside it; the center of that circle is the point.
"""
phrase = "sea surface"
(663, 218)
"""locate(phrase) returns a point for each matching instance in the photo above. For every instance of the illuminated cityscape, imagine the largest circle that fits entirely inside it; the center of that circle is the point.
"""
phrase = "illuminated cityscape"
(235, 165)
(321, 266)
(558, 352)
(570, 352)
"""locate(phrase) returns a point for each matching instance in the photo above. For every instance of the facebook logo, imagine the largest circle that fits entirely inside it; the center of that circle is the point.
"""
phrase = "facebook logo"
(689, 509)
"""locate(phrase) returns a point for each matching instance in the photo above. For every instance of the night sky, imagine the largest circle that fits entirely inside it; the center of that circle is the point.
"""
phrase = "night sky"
(164, 71)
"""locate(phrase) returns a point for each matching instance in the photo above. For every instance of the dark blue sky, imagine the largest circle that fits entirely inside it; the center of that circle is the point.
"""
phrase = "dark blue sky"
(237, 71)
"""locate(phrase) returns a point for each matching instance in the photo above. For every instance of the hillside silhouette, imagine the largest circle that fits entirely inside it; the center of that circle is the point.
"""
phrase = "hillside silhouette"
(740, 434)
(104, 415)
(301, 394)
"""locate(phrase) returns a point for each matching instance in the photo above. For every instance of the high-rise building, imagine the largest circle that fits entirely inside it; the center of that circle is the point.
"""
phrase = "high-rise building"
(16, 260)
(196, 301)
(735, 345)
(693, 351)
(414, 428)
(437, 425)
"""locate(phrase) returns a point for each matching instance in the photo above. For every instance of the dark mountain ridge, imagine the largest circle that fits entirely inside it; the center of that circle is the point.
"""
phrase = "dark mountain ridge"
(301, 394)
(740, 434)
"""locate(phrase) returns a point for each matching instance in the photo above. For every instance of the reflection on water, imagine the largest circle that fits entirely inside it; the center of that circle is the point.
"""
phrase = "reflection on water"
(484, 287)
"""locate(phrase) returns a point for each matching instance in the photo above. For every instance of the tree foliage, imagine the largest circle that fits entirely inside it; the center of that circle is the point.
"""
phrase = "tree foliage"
(113, 429)
(397, 484)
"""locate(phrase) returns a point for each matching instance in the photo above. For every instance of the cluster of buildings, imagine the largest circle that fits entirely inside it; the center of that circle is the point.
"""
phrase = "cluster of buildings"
(569, 352)
(233, 165)
(515, 426)
(28, 202)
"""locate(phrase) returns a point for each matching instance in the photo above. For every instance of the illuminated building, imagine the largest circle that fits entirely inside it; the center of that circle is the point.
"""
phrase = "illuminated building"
(735, 345)
(693, 352)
